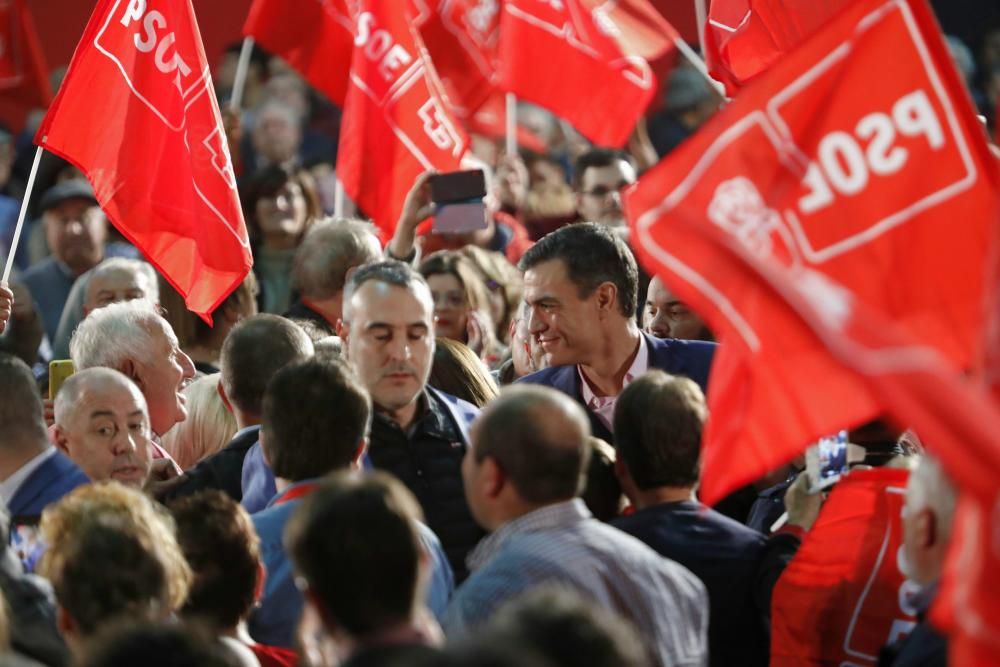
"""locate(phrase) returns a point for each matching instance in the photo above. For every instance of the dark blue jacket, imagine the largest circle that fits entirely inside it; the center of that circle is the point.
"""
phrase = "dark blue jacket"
(726, 556)
(689, 358)
(48, 483)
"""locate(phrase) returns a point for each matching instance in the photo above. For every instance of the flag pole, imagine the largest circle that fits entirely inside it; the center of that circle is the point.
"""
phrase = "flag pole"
(338, 198)
(240, 80)
(510, 121)
(701, 18)
(699, 65)
(20, 218)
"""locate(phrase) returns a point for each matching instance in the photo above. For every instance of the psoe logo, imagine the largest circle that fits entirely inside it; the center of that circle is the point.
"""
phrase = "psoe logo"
(158, 60)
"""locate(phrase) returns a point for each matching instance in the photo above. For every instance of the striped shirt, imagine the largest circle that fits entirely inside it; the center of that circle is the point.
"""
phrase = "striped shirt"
(562, 544)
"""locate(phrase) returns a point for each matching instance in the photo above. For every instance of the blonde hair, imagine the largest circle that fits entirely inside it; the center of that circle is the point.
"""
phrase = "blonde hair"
(208, 427)
(112, 553)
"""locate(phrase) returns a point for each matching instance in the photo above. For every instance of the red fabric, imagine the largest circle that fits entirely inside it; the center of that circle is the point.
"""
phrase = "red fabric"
(274, 656)
(735, 202)
(396, 122)
(24, 76)
(562, 57)
(490, 120)
(137, 114)
(461, 38)
(843, 596)
(315, 37)
(745, 37)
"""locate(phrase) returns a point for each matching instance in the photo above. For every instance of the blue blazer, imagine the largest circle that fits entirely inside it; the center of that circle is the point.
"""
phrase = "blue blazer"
(689, 358)
(48, 483)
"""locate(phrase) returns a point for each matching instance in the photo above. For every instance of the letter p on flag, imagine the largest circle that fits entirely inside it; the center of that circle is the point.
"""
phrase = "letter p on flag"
(137, 114)
(853, 175)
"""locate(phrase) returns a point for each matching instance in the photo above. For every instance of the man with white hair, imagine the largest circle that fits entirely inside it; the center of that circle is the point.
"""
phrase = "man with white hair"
(927, 522)
(102, 425)
(133, 339)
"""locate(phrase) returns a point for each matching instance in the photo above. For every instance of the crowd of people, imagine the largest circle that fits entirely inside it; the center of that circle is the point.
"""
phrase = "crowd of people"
(453, 449)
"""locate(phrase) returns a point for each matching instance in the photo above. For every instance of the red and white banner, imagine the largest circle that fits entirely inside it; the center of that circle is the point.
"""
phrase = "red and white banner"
(397, 122)
(745, 37)
(315, 38)
(844, 595)
(565, 57)
(137, 114)
(842, 183)
(462, 39)
(24, 76)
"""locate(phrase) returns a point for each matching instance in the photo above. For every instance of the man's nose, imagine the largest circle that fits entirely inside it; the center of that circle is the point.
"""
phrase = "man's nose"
(536, 324)
(187, 365)
(399, 349)
(615, 200)
(124, 442)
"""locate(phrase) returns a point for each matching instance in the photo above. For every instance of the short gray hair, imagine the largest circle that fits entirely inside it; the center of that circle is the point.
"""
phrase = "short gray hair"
(68, 398)
(116, 333)
(329, 250)
(133, 266)
(930, 488)
(390, 272)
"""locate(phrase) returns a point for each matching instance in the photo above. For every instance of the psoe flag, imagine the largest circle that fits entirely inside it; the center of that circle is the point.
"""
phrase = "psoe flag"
(137, 114)
(870, 188)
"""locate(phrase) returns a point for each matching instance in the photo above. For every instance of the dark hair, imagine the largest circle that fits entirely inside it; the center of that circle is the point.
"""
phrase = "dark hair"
(567, 629)
(316, 415)
(330, 249)
(253, 352)
(593, 255)
(157, 645)
(267, 183)
(389, 272)
(597, 158)
(223, 550)
(658, 423)
(603, 492)
(21, 406)
(538, 436)
(458, 371)
(355, 541)
(453, 263)
(190, 329)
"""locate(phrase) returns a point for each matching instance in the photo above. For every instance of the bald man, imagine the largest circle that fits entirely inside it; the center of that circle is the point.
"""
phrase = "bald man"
(523, 473)
(102, 424)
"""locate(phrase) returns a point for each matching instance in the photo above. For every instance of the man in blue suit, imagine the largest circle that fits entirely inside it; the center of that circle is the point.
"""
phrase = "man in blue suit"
(33, 474)
(581, 288)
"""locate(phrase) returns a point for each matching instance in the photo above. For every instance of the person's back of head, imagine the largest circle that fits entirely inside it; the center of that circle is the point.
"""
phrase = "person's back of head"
(121, 279)
(329, 250)
(111, 554)
(256, 349)
(355, 541)
(931, 499)
(658, 424)
(567, 630)
(315, 419)
(592, 255)
(157, 645)
(533, 437)
(21, 410)
(459, 372)
(220, 544)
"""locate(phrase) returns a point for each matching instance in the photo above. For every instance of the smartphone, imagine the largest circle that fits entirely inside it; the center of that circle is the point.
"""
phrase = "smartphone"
(827, 461)
(59, 372)
(26, 541)
(458, 201)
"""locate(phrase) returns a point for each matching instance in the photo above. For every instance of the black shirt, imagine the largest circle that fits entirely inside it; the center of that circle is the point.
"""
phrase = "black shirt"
(428, 459)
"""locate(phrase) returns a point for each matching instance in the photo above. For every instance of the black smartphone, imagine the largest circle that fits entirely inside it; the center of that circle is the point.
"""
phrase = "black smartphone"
(458, 201)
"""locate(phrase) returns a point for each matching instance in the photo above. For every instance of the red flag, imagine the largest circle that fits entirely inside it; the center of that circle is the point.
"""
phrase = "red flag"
(566, 58)
(830, 192)
(745, 37)
(137, 114)
(24, 77)
(397, 121)
(843, 596)
(315, 38)
(462, 37)
(641, 30)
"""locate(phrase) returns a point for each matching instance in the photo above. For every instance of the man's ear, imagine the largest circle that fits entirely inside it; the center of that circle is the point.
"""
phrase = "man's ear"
(607, 296)
(60, 439)
(493, 477)
(343, 330)
(130, 369)
(926, 529)
(621, 470)
(258, 589)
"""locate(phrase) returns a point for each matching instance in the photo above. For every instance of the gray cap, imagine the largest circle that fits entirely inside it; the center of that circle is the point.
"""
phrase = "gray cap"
(75, 188)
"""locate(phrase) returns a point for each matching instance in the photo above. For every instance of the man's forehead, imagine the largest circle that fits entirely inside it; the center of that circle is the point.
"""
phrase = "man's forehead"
(612, 174)
(116, 280)
(376, 300)
(547, 275)
(110, 396)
